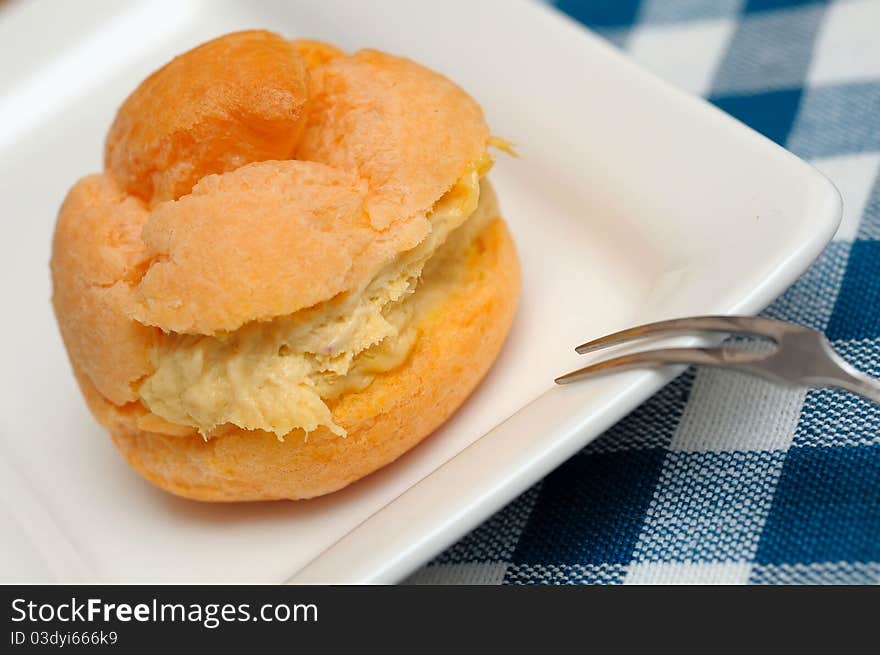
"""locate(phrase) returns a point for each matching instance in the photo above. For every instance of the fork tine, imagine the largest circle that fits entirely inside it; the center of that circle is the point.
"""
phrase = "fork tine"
(755, 325)
(721, 356)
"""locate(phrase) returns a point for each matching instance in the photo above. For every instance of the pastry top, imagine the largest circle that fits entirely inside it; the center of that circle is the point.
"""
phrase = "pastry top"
(282, 174)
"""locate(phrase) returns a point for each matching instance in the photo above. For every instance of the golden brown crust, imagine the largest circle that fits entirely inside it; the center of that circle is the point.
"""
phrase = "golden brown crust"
(316, 53)
(236, 99)
(458, 342)
(97, 254)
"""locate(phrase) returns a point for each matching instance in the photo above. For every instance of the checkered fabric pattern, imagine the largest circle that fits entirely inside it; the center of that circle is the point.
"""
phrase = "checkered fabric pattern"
(720, 478)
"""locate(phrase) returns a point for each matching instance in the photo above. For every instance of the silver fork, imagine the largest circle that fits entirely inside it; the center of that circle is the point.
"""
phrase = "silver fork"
(802, 357)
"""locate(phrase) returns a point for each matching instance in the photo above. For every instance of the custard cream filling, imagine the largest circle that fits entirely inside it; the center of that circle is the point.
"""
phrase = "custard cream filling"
(276, 375)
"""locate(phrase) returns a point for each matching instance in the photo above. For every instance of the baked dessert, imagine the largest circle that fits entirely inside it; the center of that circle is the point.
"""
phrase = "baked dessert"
(291, 270)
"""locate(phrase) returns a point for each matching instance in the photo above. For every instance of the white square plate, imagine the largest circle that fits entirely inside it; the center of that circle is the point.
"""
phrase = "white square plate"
(631, 202)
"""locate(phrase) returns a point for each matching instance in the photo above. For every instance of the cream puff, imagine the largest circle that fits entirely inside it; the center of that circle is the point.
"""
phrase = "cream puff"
(290, 272)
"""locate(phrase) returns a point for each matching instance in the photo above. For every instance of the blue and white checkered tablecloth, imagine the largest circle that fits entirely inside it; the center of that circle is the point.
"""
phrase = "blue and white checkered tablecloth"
(720, 478)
